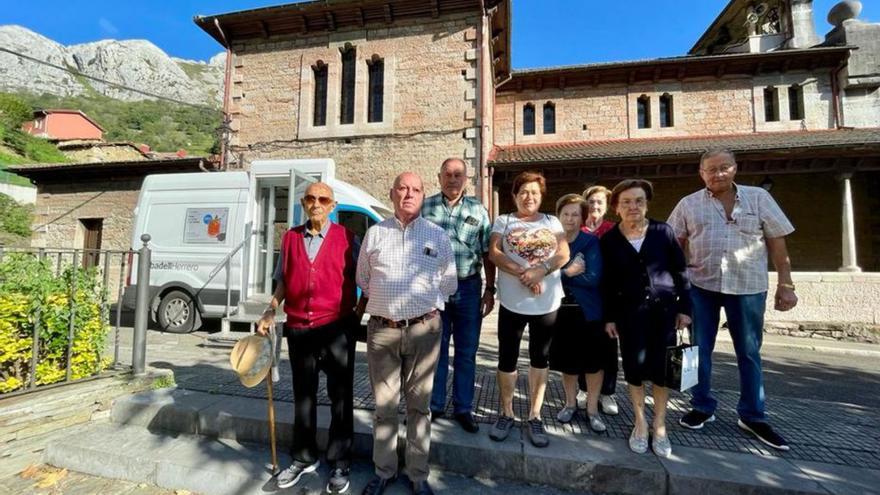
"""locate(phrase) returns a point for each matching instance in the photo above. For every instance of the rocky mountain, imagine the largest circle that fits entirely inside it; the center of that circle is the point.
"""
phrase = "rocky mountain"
(137, 64)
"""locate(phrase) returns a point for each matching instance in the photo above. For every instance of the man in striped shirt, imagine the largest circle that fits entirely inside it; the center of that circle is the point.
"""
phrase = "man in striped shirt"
(406, 270)
(466, 222)
(727, 231)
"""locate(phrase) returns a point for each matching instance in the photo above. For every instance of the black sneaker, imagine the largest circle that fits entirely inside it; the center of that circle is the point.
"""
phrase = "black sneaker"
(339, 482)
(695, 420)
(501, 429)
(467, 422)
(377, 485)
(292, 474)
(536, 433)
(764, 433)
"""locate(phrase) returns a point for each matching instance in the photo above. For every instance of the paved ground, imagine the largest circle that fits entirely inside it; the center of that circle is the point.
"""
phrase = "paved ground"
(824, 401)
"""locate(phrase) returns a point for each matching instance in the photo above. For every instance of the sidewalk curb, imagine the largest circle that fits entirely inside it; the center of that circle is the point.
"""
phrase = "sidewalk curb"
(153, 434)
(841, 351)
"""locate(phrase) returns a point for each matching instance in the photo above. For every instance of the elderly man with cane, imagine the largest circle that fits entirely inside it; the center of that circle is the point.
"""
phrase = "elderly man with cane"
(316, 282)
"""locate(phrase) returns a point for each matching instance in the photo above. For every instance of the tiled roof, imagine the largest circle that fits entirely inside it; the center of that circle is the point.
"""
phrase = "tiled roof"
(683, 146)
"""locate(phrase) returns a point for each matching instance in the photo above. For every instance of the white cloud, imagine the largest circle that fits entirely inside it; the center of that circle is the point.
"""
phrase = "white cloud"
(108, 27)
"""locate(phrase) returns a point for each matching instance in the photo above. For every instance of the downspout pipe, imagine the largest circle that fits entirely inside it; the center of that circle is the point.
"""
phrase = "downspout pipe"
(835, 94)
(227, 79)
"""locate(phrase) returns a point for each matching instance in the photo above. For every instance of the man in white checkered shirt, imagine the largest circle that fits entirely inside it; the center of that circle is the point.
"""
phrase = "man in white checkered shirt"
(726, 231)
(406, 270)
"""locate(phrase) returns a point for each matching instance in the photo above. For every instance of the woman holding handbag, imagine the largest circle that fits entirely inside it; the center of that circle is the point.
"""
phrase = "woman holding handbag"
(645, 291)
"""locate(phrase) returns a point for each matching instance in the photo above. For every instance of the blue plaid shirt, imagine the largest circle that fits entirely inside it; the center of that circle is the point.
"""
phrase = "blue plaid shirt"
(468, 227)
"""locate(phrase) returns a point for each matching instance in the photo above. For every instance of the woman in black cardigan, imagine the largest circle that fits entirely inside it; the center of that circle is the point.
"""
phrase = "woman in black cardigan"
(645, 289)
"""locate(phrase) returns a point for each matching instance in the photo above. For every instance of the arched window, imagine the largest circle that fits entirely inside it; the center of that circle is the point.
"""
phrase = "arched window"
(529, 119)
(796, 102)
(375, 98)
(346, 98)
(643, 106)
(549, 118)
(319, 70)
(666, 111)
(771, 104)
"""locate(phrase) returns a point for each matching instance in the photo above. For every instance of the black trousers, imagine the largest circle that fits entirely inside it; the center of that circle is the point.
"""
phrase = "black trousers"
(609, 380)
(329, 348)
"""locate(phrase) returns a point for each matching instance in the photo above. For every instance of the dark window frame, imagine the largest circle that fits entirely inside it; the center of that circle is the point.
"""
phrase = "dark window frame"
(771, 104)
(320, 73)
(549, 117)
(643, 112)
(796, 102)
(528, 119)
(376, 89)
(348, 78)
(667, 110)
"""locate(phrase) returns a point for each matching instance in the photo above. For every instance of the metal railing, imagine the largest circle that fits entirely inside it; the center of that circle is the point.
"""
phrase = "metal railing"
(226, 263)
(105, 271)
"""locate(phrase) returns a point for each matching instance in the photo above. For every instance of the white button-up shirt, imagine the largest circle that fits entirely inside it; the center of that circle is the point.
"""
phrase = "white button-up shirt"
(729, 256)
(406, 271)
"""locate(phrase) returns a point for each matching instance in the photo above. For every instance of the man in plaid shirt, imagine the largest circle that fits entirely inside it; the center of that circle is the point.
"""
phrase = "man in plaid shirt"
(726, 231)
(466, 221)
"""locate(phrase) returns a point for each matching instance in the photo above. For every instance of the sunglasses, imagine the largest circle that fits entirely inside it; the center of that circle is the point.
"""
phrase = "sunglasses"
(312, 199)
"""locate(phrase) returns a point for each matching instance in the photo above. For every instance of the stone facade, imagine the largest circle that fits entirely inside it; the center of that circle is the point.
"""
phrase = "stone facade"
(430, 110)
(732, 105)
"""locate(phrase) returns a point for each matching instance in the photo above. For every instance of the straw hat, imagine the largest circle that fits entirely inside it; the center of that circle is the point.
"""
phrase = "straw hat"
(251, 358)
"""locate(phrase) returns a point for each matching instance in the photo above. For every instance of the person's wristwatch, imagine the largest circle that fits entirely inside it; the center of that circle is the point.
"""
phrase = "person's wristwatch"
(787, 286)
(547, 267)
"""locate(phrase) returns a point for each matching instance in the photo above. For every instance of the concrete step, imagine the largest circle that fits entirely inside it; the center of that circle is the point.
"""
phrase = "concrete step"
(217, 466)
(585, 463)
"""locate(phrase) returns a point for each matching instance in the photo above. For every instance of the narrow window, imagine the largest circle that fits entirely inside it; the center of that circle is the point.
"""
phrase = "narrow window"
(549, 118)
(529, 120)
(666, 111)
(644, 111)
(377, 88)
(796, 102)
(346, 102)
(771, 104)
(320, 107)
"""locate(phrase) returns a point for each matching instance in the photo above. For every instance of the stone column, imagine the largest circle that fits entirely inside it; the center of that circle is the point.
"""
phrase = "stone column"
(849, 230)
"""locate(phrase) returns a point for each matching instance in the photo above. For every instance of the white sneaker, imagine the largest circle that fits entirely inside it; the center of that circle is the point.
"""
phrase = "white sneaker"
(581, 399)
(608, 405)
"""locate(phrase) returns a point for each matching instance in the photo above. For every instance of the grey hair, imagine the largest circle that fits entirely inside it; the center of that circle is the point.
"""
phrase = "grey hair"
(450, 160)
(711, 153)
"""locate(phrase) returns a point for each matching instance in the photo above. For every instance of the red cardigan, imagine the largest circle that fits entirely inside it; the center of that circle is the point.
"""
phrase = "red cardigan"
(322, 291)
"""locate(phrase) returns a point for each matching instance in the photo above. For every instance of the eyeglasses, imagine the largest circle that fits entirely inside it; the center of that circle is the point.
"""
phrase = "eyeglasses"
(312, 199)
(724, 170)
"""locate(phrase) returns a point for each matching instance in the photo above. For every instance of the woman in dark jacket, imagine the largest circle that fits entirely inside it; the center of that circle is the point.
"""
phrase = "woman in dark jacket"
(645, 291)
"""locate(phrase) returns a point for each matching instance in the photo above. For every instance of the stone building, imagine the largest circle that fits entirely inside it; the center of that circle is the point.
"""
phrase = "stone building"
(387, 85)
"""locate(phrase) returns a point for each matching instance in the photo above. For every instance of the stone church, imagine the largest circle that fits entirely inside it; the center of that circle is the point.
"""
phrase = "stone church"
(383, 86)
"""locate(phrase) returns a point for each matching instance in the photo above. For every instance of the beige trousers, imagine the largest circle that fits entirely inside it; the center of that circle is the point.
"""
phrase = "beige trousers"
(402, 359)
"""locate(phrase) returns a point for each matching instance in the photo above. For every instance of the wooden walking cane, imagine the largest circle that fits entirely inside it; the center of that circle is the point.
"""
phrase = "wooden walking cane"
(272, 408)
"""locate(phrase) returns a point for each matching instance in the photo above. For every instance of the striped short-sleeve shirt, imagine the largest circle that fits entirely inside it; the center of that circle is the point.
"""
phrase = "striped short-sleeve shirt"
(729, 255)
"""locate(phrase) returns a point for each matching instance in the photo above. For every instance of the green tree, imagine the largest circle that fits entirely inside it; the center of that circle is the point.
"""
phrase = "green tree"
(14, 111)
(14, 218)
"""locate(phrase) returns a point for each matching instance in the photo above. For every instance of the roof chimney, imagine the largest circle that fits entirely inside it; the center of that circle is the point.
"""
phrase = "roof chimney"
(803, 28)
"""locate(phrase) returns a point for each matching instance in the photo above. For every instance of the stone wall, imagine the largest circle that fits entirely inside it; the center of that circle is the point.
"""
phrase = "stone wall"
(719, 106)
(831, 297)
(430, 100)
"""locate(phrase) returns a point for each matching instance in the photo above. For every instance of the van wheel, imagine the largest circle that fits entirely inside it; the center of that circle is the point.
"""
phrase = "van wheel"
(177, 313)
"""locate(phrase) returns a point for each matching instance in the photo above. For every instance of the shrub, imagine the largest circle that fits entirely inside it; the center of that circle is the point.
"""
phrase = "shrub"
(14, 111)
(14, 218)
(30, 292)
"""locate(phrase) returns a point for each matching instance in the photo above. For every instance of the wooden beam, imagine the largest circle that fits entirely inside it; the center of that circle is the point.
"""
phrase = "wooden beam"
(264, 28)
(719, 73)
(682, 71)
(785, 65)
(759, 67)
(632, 76)
(389, 14)
(435, 8)
(360, 17)
(305, 21)
(331, 21)
(595, 80)
(539, 84)
(656, 74)
(561, 82)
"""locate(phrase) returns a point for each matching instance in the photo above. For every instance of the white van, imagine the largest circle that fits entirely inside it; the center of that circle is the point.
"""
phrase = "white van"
(215, 237)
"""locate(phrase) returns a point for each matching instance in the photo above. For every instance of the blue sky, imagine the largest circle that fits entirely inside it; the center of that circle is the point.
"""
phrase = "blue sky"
(545, 32)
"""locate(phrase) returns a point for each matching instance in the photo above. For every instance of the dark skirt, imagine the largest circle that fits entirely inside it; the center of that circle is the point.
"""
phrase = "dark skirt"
(579, 346)
(645, 334)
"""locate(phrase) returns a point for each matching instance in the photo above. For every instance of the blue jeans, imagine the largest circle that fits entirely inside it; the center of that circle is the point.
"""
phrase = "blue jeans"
(745, 320)
(461, 322)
